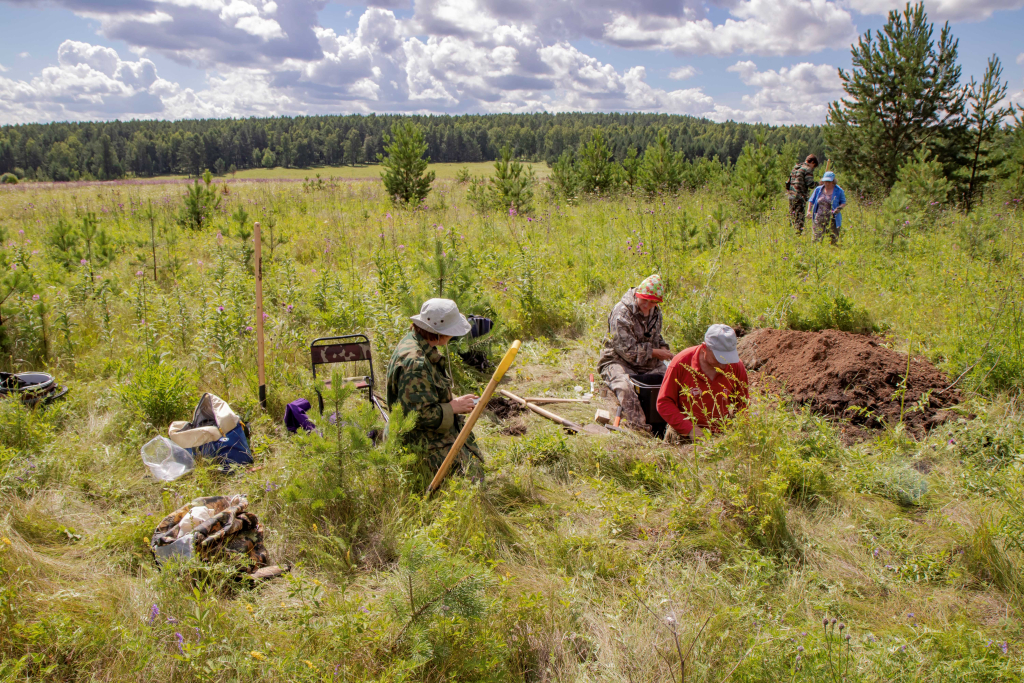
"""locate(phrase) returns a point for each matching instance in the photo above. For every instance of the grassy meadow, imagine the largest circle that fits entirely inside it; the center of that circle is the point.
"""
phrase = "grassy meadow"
(782, 550)
(445, 171)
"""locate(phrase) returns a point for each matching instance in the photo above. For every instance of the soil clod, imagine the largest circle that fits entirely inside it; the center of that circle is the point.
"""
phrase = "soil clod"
(851, 376)
(504, 408)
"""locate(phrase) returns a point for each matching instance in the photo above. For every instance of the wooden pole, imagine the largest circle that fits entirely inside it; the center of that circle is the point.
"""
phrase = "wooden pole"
(541, 400)
(543, 413)
(257, 236)
(467, 428)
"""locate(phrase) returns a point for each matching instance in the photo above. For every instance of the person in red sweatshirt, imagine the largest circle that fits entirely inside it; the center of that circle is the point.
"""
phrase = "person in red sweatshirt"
(703, 385)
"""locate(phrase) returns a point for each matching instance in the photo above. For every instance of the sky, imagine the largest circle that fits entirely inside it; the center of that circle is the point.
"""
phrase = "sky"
(772, 61)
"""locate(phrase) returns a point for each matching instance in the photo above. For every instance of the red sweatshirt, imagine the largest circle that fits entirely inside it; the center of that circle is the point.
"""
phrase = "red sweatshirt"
(687, 396)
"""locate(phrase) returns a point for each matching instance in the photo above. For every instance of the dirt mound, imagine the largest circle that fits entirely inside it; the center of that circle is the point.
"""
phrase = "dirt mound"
(851, 376)
(504, 408)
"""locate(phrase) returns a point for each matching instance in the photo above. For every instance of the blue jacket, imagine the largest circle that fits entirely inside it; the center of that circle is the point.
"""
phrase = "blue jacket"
(838, 199)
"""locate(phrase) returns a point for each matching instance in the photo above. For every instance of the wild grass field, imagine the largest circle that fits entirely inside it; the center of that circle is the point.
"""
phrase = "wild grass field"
(443, 171)
(781, 550)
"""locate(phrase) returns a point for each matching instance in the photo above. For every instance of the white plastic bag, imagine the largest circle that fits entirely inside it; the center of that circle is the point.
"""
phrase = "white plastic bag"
(180, 548)
(166, 459)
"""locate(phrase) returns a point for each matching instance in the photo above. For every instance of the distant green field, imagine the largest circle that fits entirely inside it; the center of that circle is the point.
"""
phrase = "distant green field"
(443, 171)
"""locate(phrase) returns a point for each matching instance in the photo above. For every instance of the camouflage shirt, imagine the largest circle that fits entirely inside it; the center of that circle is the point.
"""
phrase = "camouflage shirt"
(801, 181)
(632, 337)
(418, 381)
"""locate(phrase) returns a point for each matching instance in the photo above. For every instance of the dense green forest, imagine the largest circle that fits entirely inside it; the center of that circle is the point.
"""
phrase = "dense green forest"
(118, 149)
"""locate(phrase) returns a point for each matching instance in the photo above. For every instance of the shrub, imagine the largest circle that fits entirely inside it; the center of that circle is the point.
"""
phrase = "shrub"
(8, 179)
(160, 394)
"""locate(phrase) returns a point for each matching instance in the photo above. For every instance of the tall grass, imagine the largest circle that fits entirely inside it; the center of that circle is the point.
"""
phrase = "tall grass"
(544, 572)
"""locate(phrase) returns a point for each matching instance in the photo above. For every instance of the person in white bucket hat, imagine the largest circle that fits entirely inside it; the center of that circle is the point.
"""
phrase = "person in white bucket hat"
(419, 381)
(704, 385)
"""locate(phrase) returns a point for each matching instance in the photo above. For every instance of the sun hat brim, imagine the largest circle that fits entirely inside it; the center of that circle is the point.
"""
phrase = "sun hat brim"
(457, 327)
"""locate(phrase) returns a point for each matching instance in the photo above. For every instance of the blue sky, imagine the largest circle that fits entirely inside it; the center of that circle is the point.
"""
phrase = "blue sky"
(747, 60)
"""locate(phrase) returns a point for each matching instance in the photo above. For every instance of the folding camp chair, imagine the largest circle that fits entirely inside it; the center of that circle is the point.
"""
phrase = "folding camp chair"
(350, 348)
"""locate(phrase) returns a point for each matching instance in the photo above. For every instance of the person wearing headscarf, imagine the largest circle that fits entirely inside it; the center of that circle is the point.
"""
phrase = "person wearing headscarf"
(634, 346)
(825, 207)
(419, 381)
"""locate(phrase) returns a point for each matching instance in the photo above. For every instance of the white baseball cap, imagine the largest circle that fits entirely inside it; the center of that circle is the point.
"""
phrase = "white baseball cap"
(441, 316)
(721, 339)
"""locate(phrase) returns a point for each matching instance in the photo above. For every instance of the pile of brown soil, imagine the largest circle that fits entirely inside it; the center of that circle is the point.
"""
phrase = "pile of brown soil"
(852, 376)
(504, 408)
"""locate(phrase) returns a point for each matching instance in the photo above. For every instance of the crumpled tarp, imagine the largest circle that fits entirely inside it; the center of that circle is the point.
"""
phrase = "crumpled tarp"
(231, 533)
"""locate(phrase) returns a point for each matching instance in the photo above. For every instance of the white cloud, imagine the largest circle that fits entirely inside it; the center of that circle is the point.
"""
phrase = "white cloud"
(942, 10)
(89, 81)
(683, 73)
(795, 95)
(478, 57)
(1020, 58)
(768, 27)
(24, 55)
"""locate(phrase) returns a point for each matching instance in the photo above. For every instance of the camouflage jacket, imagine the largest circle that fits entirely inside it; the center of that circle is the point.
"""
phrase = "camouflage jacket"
(801, 181)
(632, 336)
(418, 381)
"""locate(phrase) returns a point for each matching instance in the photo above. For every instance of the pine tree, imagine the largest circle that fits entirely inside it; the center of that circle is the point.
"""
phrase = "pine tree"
(353, 147)
(595, 169)
(200, 203)
(564, 180)
(405, 172)
(756, 180)
(661, 169)
(984, 119)
(903, 92)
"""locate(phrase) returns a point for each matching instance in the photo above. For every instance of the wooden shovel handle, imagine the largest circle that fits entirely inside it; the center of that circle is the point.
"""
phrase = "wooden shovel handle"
(467, 429)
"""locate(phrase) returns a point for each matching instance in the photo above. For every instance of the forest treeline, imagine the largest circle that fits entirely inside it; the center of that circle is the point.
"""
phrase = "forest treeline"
(119, 149)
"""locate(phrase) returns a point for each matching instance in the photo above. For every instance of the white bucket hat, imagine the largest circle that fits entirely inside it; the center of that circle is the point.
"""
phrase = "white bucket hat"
(721, 339)
(441, 316)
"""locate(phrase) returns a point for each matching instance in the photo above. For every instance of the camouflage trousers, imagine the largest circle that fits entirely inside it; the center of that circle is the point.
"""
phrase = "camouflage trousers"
(617, 379)
(797, 208)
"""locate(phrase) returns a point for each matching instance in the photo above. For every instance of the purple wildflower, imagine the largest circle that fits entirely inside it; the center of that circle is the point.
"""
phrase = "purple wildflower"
(248, 328)
(138, 273)
(220, 309)
(84, 262)
(1005, 647)
(35, 297)
(181, 641)
(154, 612)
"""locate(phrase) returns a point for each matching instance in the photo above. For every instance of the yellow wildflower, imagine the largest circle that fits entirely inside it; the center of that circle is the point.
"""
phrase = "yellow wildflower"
(7, 541)
(256, 654)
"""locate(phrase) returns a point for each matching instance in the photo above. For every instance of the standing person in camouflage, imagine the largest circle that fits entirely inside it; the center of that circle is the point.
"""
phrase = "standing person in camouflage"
(419, 381)
(634, 346)
(800, 185)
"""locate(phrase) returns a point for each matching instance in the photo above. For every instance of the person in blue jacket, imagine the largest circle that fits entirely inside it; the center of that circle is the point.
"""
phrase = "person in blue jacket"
(825, 207)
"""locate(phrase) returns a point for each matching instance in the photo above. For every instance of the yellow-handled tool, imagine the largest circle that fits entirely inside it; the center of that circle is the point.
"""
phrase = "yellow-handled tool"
(467, 429)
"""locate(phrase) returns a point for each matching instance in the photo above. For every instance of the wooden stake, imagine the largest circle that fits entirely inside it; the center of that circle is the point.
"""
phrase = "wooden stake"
(467, 428)
(543, 413)
(258, 269)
